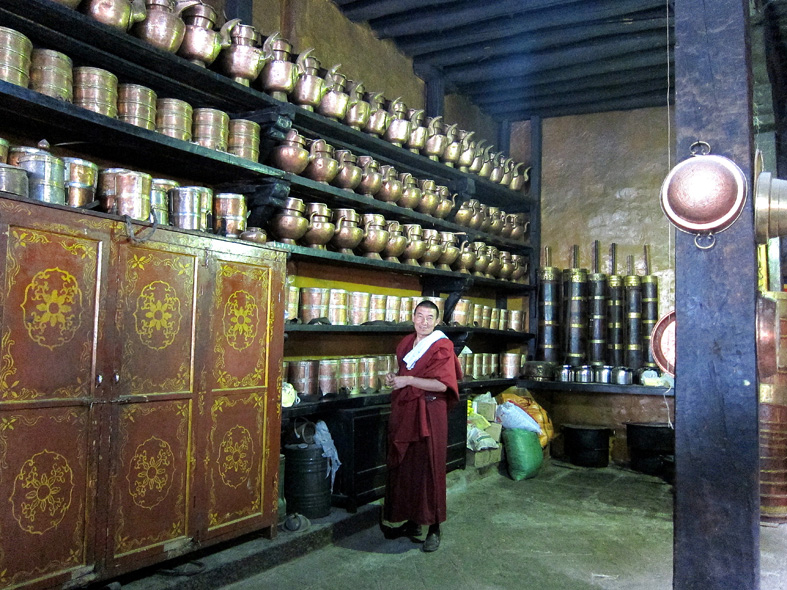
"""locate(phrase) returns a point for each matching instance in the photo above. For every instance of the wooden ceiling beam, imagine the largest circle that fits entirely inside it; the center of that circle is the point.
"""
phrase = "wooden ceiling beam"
(524, 64)
(632, 61)
(582, 12)
(594, 95)
(656, 99)
(542, 40)
(531, 92)
(432, 20)
(366, 10)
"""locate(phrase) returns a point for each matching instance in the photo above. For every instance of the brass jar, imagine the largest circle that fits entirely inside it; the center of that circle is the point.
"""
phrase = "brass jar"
(15, 57)
(51, 73)
(137, 105)
(347, 234)
(411, 194)
(244, 139)
(371, 179)
(174, 118)
(280, 74)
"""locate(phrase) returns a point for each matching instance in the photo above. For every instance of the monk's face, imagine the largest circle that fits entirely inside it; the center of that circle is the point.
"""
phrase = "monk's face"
(424, 320)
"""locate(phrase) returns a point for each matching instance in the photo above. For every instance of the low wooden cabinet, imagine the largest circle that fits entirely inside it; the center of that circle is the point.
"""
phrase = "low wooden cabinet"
(139, 405)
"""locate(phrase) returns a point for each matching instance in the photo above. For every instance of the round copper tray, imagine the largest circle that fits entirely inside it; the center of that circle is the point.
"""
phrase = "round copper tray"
(704, 194)
(662, 343)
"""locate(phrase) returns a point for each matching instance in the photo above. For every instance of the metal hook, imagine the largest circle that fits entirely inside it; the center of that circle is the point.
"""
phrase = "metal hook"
(699, 148)
(711, 243)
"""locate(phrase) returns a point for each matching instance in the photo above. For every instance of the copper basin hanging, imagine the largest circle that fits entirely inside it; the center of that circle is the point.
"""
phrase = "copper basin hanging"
(704, 194)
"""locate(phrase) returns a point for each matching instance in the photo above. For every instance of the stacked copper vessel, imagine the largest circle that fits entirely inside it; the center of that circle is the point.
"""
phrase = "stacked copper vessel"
(51, 73)
(344, 376)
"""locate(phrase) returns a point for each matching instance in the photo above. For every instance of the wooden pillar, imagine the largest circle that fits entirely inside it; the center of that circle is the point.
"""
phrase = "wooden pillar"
(504, 136)
(716, 544)
(241, 9)
(534, 193)
(434, 82)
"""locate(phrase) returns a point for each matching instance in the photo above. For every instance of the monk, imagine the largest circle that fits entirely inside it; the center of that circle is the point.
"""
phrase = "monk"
(424, 390)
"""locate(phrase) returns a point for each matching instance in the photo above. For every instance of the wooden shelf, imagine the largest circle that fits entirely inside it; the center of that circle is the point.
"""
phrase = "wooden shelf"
(404, 328)
(482, 383)
(591, 388)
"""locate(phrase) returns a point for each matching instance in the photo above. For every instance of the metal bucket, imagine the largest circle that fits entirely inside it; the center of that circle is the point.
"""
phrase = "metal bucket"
(587, 446)
(125, 192)
(184, 207)
(174, 118)
(13, 180)
(307, 481)
(229, 214)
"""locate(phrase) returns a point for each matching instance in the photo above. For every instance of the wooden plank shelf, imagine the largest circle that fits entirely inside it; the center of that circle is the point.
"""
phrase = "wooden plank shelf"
(591, 388)
(402, 328)
(470, 384)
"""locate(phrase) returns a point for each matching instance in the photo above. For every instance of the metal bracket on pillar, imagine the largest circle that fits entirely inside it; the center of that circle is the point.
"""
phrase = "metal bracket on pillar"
(241, 9)
(263, 197)
(274, 123)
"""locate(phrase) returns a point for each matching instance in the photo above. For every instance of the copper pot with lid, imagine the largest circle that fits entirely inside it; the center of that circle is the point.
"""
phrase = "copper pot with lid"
(704, 194)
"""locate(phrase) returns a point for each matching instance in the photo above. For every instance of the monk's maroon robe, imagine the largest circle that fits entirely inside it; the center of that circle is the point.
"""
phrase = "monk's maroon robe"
(418, 436)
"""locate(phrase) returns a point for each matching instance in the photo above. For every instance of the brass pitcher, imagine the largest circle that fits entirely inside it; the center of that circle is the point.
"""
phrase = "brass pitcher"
(358, 110)
(450, 250)
(508, 172)
(349, 175)
(396, 244)
(391, 189)
(120, 14)
(436, 140)
(418, 132)
(498, 167)
(291, 155)
(309, 88)
(453, 148)
(201, 43)
(429, 197)
(242, 60)
(322, 166)
(399, 128)
(371, 180)
(334, 102)
(446, 202)
(289, 224)
(467, 151)
(411, 194)
(379, 118)
(465, 212)
(482, 162)
(519, 177)
(466, 259)
(163, 27)
(279, 75)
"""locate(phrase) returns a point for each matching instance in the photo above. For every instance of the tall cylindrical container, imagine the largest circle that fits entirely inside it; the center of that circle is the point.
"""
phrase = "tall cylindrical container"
(576, 329)
(548, 343)
(307, 480)
(615, 322)
(650, 316)
(633, 313)
(597, 318)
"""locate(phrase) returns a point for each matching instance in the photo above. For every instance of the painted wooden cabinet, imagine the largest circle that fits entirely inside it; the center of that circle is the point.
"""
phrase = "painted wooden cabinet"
(139, 410)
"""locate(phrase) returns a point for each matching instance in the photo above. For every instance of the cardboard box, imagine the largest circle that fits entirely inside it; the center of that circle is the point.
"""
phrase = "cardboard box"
(494, 430)
(486, 409)
(495, 455)
(478, 459)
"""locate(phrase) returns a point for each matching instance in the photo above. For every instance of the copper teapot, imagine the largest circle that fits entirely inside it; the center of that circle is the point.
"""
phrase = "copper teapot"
(453, 148)
(291, 155)
(120, 14)
(411, 194)
(201, 43)
(350, 174)
(358, 110)
(418, 132)
(371, 179)
(436, 140)
(322, 166)
(465, 261)
(429, 197)
(279, 75)
(379, 118)
(163, 27)
(391, 189)
(309, 87)
(242, 60)
(519, 177)
(445, 203)
(399, 126)
(467, 151)
(289, 224)
(334, 102)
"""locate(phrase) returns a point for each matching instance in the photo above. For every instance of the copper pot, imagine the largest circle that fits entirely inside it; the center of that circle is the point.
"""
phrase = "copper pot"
(436, 141)
(347, 235)
(399, 127)
(411, 194)
(51, 73)
(434, 248)
(81, 180)
(429, 197)
(450, 251)
(137, 105)
(371, 179)
(309, 87)
(379, 118)
(254, 234)
(241, 61)
(445, 204)
(320, 229)
(289, 224)
(396, 244)
(322, 167)
(290, 155)
(349, 175)
(334, 102)
(358, 110)
(163, 27)
(120, 14)
(418, 132)
(466, 259)
(391, 189)
(125, 192)
(229, 214)
(201, 43)
(416, 246)
(375, 239)
(279, 76)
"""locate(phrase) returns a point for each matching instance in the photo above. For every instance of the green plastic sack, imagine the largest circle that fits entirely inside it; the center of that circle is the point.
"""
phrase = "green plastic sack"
(523, 453)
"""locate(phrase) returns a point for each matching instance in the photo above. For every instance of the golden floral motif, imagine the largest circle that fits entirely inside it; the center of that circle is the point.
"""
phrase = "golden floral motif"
(235, 455)
(157, 315)
(241, 317)
(140, 261)
(150, 472)
(42, 492)
(52, 307)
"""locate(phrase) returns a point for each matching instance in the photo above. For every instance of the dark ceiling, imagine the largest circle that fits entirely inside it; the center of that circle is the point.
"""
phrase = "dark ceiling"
(521, 58)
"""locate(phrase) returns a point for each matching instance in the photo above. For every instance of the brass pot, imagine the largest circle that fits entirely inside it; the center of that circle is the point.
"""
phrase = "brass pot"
(416, 246)
(334, 102)
(498, 167)
(13, 180)
(163, 27)
(487, 162)
(436, 141)
(279, 75)
(81, 180)
(201, 43)
(347, 234)
(434, 248)
(120, 14)
(322, 167)
(371, 179)
(429, 197)
(137, 105)
(125, 192)
(241, 61)
(320, 229)
(519, 177)
(411, 194)
(479, 214)
(418, 133)
(375, 238)
(211, 128)
(379, 118)
(445, 203)
(391, 188)
(309, 87)
(290, 155)
(493, 268)
(453, 148)
(399, 127)
(349, 175)
(450, 250)
(397, 242)
(466, 259)
(481, 259)
(480, 156)
(185, 206)
(358, 110)
(254, 234)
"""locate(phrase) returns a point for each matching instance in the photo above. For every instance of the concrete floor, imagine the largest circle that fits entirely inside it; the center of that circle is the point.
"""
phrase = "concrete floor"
(567, 529)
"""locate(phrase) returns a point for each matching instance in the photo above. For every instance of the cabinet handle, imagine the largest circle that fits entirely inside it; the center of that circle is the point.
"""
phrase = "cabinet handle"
(115, 378)
(99, 379)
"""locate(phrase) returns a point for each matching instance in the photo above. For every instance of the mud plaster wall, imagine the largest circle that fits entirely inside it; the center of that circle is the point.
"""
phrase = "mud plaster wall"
(601, 176)
(458, 109)
(337, 40)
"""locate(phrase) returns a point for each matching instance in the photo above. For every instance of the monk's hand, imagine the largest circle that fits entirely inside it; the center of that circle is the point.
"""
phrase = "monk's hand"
(399, 381)
(389, 379)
